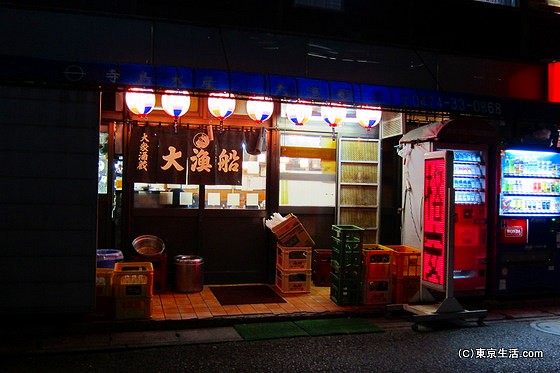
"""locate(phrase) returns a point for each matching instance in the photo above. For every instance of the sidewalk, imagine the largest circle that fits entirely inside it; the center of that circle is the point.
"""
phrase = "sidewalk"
(20, 335)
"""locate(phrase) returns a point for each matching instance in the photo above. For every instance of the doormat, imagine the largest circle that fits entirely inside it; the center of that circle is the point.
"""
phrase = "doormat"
(316, 327)
(245, 294)
(269, 330)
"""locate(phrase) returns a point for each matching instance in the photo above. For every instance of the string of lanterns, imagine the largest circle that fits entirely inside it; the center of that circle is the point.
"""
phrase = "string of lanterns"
(259, 109)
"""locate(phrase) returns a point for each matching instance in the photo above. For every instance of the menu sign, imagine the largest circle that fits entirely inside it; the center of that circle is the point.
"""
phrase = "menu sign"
(437, 176)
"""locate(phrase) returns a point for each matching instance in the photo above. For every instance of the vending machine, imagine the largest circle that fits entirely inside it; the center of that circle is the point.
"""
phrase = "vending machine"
(528, 215)
(472, 200)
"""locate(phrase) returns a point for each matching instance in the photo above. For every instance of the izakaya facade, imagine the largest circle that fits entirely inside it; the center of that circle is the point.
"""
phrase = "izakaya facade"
(83, 172)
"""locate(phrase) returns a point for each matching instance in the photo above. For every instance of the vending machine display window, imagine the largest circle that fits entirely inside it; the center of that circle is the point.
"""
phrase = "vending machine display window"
(530, 183)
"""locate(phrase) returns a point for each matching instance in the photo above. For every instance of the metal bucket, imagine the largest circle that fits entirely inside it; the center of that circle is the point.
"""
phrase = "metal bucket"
(188, 273)
(148, 245)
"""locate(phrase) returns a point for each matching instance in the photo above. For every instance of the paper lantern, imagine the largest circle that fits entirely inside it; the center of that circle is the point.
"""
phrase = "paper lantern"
(368, 118)
(140, 101)
(298, 113)
(175, 104)
(259, 109)
(221, 105)
(333, 115)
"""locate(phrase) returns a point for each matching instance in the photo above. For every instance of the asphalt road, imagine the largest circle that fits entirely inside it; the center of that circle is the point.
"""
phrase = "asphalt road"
(502, 346)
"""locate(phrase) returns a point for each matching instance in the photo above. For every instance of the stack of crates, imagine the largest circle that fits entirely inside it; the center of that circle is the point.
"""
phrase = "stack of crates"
(378, 284)
(406, 268)
(321, 267)
(293, 269)
(346, 268)
(133, 290)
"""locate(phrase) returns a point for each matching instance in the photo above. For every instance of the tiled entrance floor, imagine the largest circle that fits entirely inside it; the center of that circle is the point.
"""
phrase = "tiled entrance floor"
(204, 305)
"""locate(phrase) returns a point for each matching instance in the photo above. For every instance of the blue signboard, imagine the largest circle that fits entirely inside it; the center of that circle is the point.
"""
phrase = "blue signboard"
(137, 75)
(211, 80)
(255, 84)
(26, 70)
(375, 95)
(342, 92)
(313, 89)
(283, 86)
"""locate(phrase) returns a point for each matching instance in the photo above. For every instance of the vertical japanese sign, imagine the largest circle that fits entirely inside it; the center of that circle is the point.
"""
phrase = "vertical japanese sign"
(438, 173)
(172, 155)
(217, 162)
(229, 149)
(143, 153)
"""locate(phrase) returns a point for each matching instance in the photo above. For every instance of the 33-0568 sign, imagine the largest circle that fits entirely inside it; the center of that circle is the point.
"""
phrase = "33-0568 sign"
(438, 222)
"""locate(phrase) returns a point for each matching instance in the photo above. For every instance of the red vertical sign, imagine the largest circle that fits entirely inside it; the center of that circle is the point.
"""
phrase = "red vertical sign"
(554, 82)
(435, 240)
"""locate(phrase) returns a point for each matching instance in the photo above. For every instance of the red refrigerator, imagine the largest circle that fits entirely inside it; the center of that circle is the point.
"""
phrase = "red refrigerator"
(472, 200)
(528, 215)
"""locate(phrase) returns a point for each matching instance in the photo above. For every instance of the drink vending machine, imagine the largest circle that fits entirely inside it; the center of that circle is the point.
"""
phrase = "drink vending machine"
(471, 219)
(528, 213)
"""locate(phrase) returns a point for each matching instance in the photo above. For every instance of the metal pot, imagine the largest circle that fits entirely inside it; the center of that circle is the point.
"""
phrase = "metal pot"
(148, 245)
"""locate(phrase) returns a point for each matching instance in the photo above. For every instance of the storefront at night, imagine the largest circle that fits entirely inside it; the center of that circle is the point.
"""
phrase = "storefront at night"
(78, 142)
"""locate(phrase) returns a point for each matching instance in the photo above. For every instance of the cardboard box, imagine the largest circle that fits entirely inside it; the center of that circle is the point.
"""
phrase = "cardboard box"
(291, 233)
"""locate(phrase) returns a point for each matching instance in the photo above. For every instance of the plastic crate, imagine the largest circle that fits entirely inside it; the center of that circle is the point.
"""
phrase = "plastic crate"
(407, 261)
(291, 258)
(346, 259)
(405, 289)
(159, 263)
(133, 279)
(377, 260)
(347, 271)
(321, 267)
(104, 282)
(377, 291)
(298, 281)
(133, 308)
(346, 291)
(347, 246)
(348, 233)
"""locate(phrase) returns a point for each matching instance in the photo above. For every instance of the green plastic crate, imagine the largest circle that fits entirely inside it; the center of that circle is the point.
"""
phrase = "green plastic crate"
(347, 233)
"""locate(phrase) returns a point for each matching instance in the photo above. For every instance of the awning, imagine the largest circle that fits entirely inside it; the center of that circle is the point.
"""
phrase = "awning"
(27, 70)
(462, 130)
(423, 133)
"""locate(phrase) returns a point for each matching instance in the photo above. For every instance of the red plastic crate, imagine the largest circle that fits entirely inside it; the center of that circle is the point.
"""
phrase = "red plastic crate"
(377, 291)
(407, 261)
(321, 267)
(377, 261)
(405, 289)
